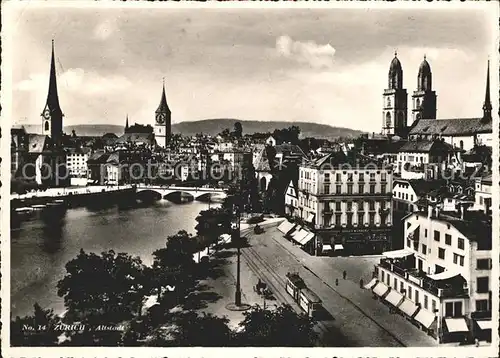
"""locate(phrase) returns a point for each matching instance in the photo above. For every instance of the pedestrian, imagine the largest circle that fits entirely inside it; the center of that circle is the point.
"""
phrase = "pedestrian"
(336, 282)
(476, 342)
(344, 274)
(361, 283)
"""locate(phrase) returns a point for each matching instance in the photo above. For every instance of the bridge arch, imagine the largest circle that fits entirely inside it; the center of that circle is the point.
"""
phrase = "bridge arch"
(149, 195)
(176, 195)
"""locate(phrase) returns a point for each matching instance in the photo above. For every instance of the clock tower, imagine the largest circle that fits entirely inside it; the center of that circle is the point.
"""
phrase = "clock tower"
(52, 115)
(163, 125)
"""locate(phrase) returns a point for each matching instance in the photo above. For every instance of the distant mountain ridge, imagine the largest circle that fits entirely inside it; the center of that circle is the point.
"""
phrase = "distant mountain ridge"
(217, 125)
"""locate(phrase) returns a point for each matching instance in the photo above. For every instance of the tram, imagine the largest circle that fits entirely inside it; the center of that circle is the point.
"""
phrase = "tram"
(309, 302)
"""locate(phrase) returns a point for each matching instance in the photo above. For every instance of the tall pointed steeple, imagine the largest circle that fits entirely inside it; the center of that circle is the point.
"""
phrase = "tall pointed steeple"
(163, 107)
(52, 113)
(487, 107)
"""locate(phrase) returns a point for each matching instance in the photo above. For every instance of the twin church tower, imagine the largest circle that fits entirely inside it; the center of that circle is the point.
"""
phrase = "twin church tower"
(395, 108)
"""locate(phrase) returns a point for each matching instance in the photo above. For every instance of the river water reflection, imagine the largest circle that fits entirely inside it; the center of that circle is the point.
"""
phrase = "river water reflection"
(39, 249)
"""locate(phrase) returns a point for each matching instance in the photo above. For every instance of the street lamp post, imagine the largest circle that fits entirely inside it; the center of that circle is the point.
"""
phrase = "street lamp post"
(237, 295)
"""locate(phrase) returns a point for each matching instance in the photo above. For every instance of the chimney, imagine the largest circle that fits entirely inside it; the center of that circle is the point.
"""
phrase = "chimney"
(429, 211)
(463, 209)
(438, 209)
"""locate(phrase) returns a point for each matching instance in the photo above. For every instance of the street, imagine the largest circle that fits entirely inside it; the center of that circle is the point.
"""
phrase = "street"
(365, 321)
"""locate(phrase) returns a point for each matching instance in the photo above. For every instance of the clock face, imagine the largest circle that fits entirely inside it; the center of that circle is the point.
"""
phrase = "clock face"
(46, 114)
(160, 118)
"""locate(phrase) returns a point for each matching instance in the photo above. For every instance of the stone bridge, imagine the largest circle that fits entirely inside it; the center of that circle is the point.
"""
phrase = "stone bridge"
(199, 193)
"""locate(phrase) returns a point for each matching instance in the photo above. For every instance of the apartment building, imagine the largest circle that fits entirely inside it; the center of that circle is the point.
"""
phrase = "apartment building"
(346, 201)
(441, 280)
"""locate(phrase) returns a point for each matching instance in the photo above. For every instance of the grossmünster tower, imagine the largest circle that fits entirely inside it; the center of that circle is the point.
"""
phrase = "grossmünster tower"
(163, 121)
(395, 107)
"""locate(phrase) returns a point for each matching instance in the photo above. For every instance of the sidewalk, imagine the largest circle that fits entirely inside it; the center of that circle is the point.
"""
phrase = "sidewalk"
(347, 299)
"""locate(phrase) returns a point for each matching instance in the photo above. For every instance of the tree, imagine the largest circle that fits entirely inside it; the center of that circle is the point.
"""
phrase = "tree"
(282, 327)
(174, 266)
(202, 331)
(35, 330)
(110, 286)
(290, 134)
(211, 224)
(238, 130)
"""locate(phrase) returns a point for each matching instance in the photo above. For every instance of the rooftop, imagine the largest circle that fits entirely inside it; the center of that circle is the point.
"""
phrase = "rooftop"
(453, 126)
(424, 146)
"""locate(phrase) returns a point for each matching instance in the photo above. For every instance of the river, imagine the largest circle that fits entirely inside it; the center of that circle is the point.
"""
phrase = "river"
(39, 251)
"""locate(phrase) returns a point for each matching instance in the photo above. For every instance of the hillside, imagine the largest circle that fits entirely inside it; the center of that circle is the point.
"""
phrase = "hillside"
(215, 126)
(308, 129)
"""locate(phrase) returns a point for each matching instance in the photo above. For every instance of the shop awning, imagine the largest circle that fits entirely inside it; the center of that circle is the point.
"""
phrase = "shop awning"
(408, 307)
(300, 235)
(327, 247)
(380, 289)
(338, 247)
(411, 230)
(444, 275)
(425, 317)
(285, 227)
(225, 238)
(394, 298)
(397, 253)
(485, 324)
(456, 325)
(309, 236)
(310, 218)
(370, 284)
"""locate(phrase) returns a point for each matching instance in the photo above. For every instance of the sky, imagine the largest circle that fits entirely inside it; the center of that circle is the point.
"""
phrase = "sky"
(326, 66)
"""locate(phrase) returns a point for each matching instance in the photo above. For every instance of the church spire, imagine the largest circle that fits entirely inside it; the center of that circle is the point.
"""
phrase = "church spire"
(487, 100)
(163, 107)
(52, 96)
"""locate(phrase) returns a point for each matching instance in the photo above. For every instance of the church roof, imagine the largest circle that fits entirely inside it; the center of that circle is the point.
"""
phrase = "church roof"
(451, 127)
(424, 68)
(135, 138)
(425, 146)
(163, 107)
(395, 65)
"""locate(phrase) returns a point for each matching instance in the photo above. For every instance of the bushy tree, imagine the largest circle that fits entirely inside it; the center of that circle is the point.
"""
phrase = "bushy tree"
(110, 286)
(206, 330)
(238, 130)
(37, 330)
(282, 327)
(211, 224)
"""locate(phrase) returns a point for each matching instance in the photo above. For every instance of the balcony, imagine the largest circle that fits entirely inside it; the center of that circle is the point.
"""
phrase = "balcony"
(454, 287)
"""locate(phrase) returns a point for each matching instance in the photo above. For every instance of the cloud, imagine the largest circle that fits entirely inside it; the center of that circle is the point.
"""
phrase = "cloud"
(105, 29)
(317, 56)
(77, 80)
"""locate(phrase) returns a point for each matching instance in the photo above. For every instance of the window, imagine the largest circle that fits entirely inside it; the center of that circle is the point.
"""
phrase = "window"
(437, 235)
(409, 292)
(338, 177)
(448, 309)
(349, 188)
(482, 284)
(361, 188)
(361, 177)
(406, 196)
(327, 177)
(483, 264)
(433, 305)
(383, 177)
(338, 206)
(349, 206)
(441, 253)
(417, 301)
(382, 188)
(337, 219)
(455, 258)
(349, 177)
(425, 233)
(360, 219)
(388, 279)
(372, 219)
(461, 260)
(338, 189)
(361, 206)
(447, 239)
(401, 287)
(326, 189)
(411, 197)
(349, 219)
(461, 243)
(372, 205)
(426, 302)
(383, 276)
(481, 305)
(424, 249)
(395, 283)
(372, 188)
(372, 176)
